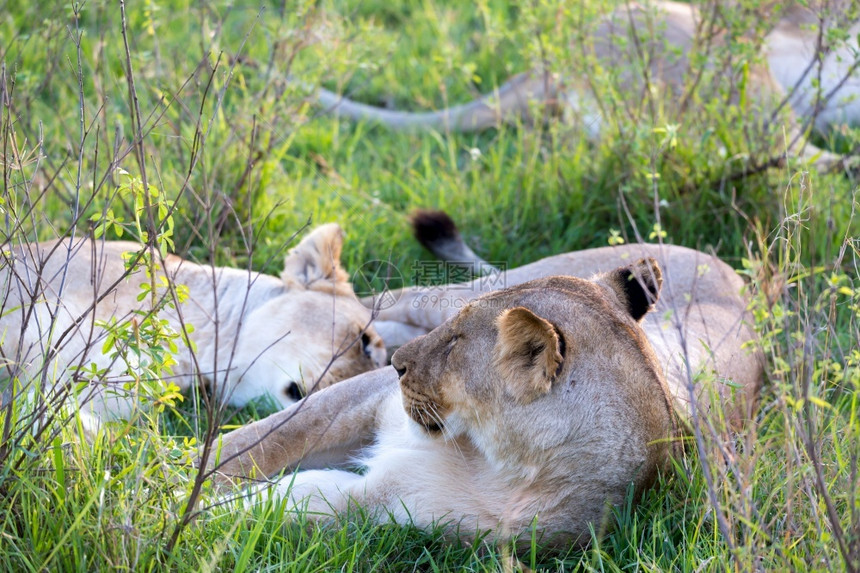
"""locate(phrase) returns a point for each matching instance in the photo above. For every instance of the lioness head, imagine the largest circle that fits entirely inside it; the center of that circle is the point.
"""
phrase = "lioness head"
(312, 334)
(551, 377)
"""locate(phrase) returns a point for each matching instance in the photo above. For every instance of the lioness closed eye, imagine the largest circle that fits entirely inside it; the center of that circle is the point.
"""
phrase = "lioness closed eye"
(542, 401)
(255, 335)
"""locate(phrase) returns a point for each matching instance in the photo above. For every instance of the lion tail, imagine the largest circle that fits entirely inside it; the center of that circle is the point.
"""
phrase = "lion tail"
(512, 100)
(438, 233)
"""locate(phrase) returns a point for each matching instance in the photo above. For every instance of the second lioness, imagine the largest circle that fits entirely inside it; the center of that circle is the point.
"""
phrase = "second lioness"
(253, 335)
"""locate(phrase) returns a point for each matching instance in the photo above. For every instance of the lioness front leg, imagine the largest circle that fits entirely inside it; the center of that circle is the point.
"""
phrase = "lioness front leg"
(324, 429)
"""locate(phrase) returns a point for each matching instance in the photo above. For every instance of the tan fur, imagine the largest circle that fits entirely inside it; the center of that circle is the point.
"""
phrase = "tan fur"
(544, 400)
(254, 334)
(645, 50)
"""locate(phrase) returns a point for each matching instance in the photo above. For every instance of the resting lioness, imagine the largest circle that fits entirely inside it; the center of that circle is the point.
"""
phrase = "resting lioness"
(255, 335)
(646, 49)
(542, 401)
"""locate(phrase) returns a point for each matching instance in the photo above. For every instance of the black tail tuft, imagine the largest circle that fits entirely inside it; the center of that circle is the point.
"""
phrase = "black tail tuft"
(433, 228)
(439, 235)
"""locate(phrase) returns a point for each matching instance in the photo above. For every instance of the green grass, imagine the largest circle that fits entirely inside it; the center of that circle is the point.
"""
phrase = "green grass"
(249, 163)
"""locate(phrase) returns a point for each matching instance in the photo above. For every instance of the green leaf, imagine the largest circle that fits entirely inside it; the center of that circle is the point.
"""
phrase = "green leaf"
(59, 469)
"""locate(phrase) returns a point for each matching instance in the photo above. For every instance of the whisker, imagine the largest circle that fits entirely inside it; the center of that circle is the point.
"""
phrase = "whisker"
(436, 416)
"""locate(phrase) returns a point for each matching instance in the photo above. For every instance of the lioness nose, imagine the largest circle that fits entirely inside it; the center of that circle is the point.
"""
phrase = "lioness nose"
(400, 361)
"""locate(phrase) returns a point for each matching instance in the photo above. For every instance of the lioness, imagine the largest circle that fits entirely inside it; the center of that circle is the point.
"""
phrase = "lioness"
(647, 49)
(542, 401)
(255, 335)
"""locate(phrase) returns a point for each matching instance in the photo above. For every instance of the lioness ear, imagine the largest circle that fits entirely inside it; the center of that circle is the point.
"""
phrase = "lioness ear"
(314, 263)
(527, 353)
(637, 286)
